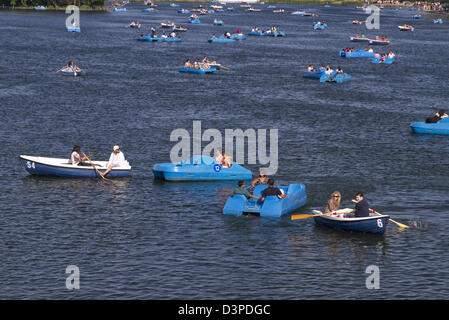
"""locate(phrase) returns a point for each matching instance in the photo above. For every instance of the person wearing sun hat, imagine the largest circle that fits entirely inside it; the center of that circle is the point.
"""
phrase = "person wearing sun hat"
(117, 159)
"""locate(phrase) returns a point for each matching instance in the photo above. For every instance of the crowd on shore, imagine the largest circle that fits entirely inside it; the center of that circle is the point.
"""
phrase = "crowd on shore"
(423, 5)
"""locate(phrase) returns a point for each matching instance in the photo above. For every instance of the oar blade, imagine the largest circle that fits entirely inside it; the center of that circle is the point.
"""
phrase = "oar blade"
(302, 216)
(400, 225)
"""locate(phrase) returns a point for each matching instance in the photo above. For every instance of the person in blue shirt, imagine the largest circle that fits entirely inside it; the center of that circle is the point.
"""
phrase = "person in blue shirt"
(361, 208)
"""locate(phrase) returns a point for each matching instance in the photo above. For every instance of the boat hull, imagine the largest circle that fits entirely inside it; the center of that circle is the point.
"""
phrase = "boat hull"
(197, 71)
(271, 207)
(359, 39)
(73, 29)
(379, 42)
(387, 61)
(199, 169)
(150, 39)
(319, 26)
(221, 40)
(441, 127)
(313, 74)
(373, 225)
(61, 168)
(357, 54)
(338, 78)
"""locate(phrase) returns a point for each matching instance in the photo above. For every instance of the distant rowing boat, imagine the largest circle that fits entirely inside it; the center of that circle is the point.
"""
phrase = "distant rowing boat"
(63, 168)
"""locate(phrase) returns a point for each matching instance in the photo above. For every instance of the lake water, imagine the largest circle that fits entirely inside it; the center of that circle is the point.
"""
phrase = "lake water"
(143, 239)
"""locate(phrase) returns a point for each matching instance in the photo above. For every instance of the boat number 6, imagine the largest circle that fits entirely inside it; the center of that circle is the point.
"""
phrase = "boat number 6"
(30, 165)
(217, 168)
(379, 223)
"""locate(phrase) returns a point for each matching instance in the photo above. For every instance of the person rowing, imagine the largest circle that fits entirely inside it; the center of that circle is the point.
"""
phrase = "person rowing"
(391, 55)
(310, 68)
(75, 158)
(361, 208)
(70, 67)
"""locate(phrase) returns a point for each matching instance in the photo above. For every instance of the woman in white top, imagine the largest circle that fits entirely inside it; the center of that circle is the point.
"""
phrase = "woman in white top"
(75, 158)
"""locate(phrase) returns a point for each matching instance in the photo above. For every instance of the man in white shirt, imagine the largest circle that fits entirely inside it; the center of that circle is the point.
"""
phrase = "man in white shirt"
(117, 159)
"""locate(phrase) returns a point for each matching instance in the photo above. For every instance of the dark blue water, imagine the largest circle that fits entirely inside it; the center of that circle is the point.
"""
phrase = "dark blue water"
(139, 238)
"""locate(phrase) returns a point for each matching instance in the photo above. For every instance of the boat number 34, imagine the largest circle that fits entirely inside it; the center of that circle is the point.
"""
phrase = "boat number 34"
(30, 164)
(379, 223)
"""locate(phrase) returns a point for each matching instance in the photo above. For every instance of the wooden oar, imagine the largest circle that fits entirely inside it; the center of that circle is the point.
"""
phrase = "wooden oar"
(61, 69)
(400, 225)
(101, 175)
(91, 155)
(304, 216)
(223, 67)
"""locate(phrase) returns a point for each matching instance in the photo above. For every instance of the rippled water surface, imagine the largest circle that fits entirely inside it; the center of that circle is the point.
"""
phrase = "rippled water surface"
(143, 239)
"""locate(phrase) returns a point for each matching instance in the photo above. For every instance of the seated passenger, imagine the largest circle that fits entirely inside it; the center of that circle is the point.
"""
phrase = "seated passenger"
(188, 64)
(262, 179)
(310, 68)
(241, 190)
(197, 64)
(272, 191)
(437, 116)
(334, 202)
(226, 161)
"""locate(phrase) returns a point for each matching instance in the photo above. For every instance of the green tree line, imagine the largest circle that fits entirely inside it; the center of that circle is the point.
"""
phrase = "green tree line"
(52, 3)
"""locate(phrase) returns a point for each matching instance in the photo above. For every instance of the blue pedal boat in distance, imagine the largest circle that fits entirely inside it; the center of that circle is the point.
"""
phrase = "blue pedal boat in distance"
(73, 29)
(357, 54)
(197, 71)
(440, 127)
(378, 61)
(375, 224)
(63, 168)
(272, 206)
(314, 74)
(199, 168)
